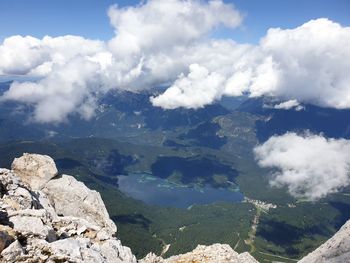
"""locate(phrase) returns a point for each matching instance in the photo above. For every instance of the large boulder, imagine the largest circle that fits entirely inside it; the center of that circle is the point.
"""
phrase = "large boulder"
(34, 169)
(72, 198)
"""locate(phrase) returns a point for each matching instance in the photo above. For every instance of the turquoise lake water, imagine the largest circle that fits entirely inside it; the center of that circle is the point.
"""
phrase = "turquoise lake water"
(156, 191)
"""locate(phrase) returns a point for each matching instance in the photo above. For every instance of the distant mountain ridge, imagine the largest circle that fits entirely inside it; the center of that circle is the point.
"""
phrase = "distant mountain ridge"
(125, 113)
(332, 123)
(119, 113)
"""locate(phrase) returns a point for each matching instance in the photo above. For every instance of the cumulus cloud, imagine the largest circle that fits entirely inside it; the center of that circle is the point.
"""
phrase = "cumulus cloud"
(158, 25)
(200, 87)
(309, 64)
(290, 104)
(19, 55)
(310, 166)
(286, 105)
(169, 41)
(33, 56)
(157, 40)
(69, 88)
(151, 46)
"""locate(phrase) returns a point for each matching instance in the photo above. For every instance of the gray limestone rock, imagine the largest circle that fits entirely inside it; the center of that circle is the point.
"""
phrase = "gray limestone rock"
(28, 225)
(334, 250)
(216, 253)
(59, 220)
(34, 169)
(72, 198)
(246, 258)
(13, 251)
(113, 251)
(67, 249)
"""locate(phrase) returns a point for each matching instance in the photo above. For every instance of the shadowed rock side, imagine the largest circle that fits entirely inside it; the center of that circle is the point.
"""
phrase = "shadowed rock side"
(334, 250)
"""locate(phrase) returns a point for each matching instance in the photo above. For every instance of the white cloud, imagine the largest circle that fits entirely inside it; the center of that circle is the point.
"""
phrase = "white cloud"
(199, 88)
(69, 69)
(67, 89)
(32, 56)
(157, 41)
(310, 166)
(286, 105)
(219, 58)
(159, 25)
(309, 64)
(19, 55)
(152, 46)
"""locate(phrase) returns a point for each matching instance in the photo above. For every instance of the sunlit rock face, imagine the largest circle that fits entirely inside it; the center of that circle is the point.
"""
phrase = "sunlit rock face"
(34, 169)
(72, 198)
(215, 253)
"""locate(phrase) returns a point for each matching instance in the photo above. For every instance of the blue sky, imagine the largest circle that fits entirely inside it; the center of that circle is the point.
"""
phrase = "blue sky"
(88, 17)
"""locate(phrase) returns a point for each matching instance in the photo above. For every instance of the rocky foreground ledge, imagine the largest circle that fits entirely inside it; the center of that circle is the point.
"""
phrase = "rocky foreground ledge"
(46, 217)
(49, 218)
(217, 253)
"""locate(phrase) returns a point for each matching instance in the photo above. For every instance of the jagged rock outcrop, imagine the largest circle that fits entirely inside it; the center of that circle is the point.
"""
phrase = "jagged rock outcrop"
(73, 198)
(57, 220)
(216, 253)
(334, 250)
